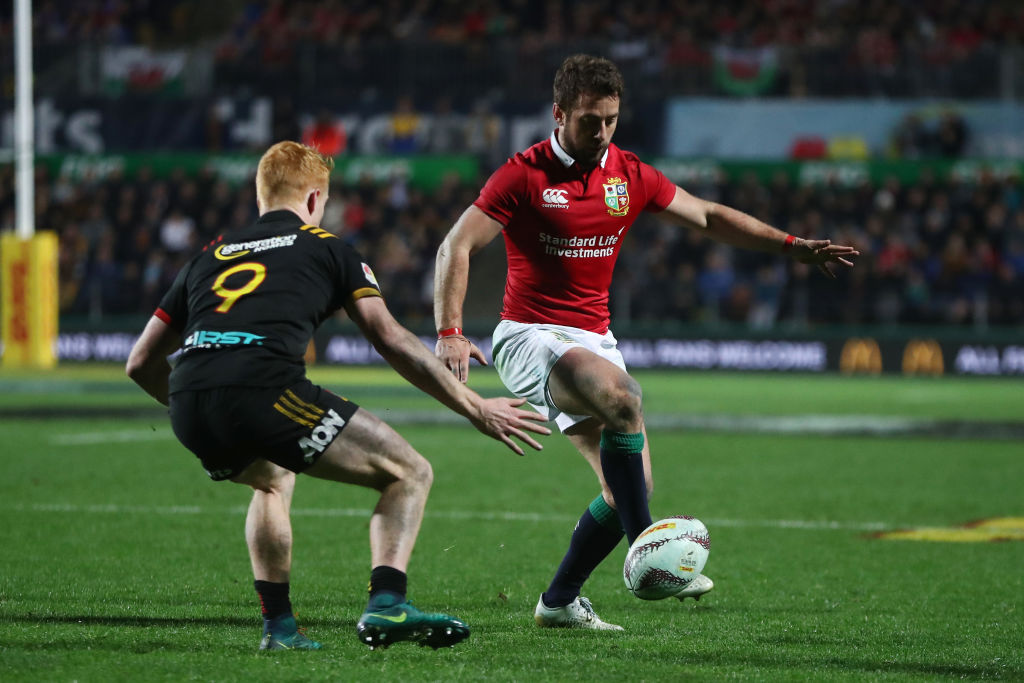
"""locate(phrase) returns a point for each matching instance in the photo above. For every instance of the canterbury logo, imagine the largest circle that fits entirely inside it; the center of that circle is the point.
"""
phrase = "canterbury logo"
(555, 197)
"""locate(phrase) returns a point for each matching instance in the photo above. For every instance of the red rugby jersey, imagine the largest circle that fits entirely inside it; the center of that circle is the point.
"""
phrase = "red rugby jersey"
(564, 227)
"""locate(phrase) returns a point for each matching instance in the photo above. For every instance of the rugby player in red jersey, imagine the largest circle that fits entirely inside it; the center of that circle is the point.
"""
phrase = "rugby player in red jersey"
(563, 207)
(243, 311)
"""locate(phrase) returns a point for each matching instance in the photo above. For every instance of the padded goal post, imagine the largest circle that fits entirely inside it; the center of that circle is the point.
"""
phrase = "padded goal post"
(28, 300)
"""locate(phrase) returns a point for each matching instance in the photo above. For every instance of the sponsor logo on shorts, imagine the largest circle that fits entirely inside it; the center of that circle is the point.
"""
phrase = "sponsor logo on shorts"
(554, 198)
(321, 436)
(562, 336)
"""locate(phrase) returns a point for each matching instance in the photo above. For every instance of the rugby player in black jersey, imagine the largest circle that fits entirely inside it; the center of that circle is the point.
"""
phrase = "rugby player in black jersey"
(242, 311)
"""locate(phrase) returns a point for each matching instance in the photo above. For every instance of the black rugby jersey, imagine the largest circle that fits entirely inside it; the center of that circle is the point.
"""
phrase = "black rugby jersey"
(247, 305)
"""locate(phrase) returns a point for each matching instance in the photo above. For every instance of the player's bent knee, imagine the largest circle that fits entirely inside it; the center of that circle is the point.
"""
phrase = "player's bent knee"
(421, 472)
(625, 406)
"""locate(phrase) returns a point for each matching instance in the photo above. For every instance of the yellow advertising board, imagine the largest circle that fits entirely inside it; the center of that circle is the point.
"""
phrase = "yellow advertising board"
(28, 300)
(860, 356)
(923, 357)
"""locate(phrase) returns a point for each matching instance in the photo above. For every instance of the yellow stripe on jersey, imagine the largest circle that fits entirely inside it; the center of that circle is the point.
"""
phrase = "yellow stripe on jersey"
(319, 232)
(366, 291)
(291, 416)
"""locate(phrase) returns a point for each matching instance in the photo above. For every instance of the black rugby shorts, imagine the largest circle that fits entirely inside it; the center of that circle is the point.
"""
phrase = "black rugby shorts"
(231, 427)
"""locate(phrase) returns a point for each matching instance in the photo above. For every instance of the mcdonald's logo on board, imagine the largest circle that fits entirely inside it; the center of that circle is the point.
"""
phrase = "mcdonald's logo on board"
(860, 355)
(923, 357)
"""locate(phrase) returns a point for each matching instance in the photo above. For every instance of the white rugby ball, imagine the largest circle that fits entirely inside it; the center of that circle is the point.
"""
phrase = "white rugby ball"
(666, 557)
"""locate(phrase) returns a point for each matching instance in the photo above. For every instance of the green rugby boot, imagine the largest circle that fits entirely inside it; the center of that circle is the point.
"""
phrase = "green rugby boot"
(382, 627)
(282, 633)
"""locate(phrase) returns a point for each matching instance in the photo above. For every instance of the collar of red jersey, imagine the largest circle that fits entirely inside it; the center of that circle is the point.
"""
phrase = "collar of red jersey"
(564, 157)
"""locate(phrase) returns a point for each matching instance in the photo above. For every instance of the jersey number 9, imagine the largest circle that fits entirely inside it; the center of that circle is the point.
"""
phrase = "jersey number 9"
(230, 296)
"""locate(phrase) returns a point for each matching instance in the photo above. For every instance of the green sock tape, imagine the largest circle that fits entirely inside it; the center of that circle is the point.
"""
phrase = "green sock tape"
(605, 514)
(620, 442)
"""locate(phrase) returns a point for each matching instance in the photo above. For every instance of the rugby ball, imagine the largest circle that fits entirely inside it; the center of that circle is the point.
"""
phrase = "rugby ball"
(666, 557)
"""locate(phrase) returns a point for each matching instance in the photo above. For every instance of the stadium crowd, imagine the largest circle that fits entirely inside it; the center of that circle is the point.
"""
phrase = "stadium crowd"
(818, 47)
(943, 252)
(935, 251)
(873, 27)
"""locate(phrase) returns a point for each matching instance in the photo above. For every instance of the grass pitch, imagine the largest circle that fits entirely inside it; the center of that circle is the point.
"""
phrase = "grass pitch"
(123, 562)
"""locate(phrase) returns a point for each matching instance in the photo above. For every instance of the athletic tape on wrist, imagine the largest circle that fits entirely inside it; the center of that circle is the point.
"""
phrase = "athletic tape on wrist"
(449, 332)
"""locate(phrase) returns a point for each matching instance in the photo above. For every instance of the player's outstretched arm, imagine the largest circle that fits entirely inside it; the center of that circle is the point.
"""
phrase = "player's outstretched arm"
(147, 363)
(734, 227)
(499, 418)
(474, 230)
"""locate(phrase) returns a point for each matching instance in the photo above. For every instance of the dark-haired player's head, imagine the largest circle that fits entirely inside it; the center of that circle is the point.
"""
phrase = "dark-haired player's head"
(587, 93)
(586, 74)
(292, 175)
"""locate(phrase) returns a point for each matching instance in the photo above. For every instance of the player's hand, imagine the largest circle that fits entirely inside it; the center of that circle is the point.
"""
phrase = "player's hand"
(455, 352)
(501, 419)
(822, 253)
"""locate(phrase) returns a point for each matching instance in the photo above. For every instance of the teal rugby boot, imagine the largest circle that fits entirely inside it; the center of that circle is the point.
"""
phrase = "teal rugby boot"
(381, 627)
(282, 633)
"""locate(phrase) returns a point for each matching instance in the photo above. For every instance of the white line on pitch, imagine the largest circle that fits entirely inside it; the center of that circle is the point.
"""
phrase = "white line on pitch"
(500, 516)
(122, 436)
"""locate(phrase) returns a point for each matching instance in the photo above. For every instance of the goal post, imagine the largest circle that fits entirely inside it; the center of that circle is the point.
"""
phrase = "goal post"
(28, 260)
(28, 300)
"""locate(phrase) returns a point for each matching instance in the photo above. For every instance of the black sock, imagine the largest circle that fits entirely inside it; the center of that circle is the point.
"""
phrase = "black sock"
(595, 536)
(622, 464)
(387, 586)
(273, 598)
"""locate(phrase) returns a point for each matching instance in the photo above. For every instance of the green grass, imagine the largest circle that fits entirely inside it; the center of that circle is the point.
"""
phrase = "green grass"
(121, 561)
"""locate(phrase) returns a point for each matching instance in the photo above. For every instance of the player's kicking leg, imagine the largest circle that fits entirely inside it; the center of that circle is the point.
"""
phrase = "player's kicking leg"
(614, 444)
(369, 453)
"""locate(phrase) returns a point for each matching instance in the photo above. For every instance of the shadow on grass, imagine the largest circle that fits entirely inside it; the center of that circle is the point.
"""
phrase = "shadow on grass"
(161, 622)
(143, 635)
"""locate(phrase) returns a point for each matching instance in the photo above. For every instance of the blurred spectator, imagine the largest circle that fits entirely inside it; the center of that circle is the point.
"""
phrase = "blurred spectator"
(326, 134)
(405, 127)
(951, 138)
(483, 134)
(178, 232)
(942, 137)
(715, 282)
(910, 139)
(447, 128)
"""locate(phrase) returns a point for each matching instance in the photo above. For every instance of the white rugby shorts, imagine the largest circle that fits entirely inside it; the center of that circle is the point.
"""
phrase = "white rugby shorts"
(524, 354)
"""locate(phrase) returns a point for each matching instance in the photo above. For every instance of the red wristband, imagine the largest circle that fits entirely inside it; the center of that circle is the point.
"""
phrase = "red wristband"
(788, 244)
(449, 332)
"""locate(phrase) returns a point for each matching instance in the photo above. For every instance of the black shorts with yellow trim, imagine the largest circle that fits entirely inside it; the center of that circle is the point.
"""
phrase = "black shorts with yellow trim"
(231, 427)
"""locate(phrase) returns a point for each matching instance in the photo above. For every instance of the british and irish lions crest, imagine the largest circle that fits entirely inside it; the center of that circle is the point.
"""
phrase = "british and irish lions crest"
(616, 198)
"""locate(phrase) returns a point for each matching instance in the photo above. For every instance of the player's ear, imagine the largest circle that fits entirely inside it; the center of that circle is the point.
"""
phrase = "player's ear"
(311, 201)
(559, 115)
